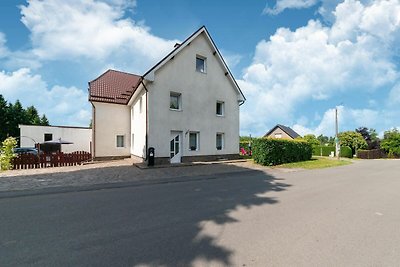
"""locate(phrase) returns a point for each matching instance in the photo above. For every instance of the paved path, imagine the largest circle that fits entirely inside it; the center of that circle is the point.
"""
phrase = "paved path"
(345, 216)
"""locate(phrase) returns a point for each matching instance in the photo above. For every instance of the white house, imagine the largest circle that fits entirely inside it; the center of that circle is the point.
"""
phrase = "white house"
(186, 107)
(81, 137)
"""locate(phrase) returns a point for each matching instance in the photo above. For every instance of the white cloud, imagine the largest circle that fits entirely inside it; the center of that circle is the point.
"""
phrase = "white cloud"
(317, 62)
(347, 117)
(62, 105)
(3, 48)
(281, 5)
(92, 30)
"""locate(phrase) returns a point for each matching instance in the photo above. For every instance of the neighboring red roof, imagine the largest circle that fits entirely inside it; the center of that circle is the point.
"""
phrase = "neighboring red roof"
(113, 87)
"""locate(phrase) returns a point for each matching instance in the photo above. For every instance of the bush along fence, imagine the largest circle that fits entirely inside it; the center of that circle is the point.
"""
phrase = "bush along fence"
(268, 151)
(371, 154)
(345, 151)
(31, 161)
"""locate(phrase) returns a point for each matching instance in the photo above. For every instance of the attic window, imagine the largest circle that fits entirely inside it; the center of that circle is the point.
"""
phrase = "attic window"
(201, 64)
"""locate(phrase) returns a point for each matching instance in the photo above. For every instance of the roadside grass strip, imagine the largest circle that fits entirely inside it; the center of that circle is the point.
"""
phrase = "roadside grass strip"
(315, 163)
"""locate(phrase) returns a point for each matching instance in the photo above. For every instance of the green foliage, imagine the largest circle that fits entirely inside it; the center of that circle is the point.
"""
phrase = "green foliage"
(268, 151)
(14, 114)
(310, 139)
(7, 153)
(325, 140)
(391, 143)
(245, 138)
(346, 152)
(325, 151)
(353, 140)
(370, 136)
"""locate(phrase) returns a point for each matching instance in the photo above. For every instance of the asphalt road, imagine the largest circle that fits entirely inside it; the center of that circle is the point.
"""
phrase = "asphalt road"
(345, 216)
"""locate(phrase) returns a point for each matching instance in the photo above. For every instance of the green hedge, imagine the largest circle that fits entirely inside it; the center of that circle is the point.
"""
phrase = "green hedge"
(268, 151)
(325, 151)
(346, 152)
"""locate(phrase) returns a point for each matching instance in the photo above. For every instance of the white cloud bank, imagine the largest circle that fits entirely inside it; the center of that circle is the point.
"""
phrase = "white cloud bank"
(90, 33)
(316, 62)
(62, 105)
(281, 5)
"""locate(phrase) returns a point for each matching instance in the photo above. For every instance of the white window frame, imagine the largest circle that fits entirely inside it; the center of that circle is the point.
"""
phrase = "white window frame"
(222, 108)
(123, 141)
(204, 64)
(222, 141)
(278, 135)
(197, 141)
(175, 94)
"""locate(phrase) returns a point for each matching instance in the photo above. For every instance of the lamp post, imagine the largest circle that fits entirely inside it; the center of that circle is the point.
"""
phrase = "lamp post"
(337, 145)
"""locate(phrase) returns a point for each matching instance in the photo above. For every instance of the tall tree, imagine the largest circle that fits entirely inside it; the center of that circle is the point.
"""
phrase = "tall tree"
(32, 116)
(311, 139)
(391, 143)
(44, 121)
(3, 118)
(353, 140)
(370, 136)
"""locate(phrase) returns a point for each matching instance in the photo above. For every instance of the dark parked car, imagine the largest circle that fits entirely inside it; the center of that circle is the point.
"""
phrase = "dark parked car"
(26, 150)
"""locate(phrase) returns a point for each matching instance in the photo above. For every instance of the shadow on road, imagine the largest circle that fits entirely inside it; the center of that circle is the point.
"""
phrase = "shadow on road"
(154, 225)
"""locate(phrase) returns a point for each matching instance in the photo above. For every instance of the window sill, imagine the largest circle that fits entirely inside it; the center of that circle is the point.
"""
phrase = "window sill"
(177, 110)
(202, 72)
(220, 115)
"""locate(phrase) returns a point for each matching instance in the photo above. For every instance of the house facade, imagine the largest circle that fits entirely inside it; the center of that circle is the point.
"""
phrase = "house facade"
(281, 131)
(80, 137)
(186, 107)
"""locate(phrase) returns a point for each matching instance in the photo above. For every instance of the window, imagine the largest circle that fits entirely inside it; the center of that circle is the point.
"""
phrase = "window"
(201, 64)
(220, 141)
(220, 108)
(120, 141)
(278, 135)
(48, 137)
(193, 141)
(133, 142)
(175, 101)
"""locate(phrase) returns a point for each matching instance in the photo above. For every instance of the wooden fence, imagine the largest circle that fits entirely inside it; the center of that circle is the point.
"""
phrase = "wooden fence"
(30, 161)
(371, 154)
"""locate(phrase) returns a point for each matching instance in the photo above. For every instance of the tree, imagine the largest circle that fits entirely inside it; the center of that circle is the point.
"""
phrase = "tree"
(391, 142)
(32, 116)
(370, 136)
(44, 121)
(352, 139)
(311, 139)
(3, 118)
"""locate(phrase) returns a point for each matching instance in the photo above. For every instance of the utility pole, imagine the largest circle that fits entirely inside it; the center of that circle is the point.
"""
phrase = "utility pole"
(337, 134)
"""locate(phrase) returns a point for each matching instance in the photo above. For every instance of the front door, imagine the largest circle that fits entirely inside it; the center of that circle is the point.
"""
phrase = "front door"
(175, 147)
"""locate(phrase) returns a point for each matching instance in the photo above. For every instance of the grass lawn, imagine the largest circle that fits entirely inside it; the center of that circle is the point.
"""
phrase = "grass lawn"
(315, 163)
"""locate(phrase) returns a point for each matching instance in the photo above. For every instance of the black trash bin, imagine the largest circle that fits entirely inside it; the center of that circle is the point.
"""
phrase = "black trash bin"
(150, 156)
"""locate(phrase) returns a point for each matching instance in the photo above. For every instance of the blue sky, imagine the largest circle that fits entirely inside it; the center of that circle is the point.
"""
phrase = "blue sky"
(295, 60)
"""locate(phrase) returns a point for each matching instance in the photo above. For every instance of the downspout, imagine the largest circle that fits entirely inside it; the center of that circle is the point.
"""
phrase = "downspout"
(93, 131)
(147, 115)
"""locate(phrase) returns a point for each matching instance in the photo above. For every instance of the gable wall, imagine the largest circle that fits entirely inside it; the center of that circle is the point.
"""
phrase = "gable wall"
(279, 131)
(111, 120)
(200, 93)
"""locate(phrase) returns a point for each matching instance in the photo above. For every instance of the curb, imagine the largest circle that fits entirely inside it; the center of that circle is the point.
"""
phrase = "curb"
(116, 185)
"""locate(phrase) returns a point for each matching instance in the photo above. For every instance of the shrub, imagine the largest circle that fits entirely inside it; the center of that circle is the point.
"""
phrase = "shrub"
(268, 151)
(371, 154)
(244, 148)
(7, 153)
(325, 151)
(346, 152)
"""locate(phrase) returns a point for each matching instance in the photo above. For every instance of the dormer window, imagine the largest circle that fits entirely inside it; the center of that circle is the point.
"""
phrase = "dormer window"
(201, 64)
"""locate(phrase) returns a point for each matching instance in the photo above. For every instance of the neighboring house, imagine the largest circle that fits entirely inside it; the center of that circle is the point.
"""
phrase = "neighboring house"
(81, 137)
(186, 107)
(281, 131)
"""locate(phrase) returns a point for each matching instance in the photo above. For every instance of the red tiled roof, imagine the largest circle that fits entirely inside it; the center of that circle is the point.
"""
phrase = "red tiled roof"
(113, 87)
